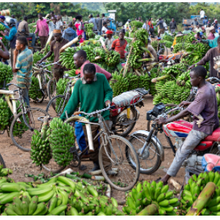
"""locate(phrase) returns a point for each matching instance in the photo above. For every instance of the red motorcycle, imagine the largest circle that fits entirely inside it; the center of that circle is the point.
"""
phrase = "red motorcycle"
(151, 152)
(125, 114)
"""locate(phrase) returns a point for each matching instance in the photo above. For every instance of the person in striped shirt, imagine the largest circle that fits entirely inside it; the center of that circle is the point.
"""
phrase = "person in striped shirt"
(22, 65)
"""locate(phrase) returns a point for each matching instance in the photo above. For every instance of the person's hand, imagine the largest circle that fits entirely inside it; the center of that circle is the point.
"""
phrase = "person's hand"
(191, 67)
(107, 103)
(161, 120)
(15, 52)
(2, 33)
(39, 62)
(184, 103)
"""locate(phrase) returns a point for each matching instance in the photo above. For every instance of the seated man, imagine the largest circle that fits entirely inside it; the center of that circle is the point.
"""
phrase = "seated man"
(93, 93)
(205, 104)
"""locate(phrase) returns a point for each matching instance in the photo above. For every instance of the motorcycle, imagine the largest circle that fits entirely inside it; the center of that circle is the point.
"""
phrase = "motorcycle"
(149, 147)
(125, 114)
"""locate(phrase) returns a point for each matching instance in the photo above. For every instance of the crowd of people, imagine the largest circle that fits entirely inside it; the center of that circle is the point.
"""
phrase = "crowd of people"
(93, 90)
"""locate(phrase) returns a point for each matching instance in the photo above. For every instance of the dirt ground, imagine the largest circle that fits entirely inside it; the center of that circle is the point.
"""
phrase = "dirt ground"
(20, 162)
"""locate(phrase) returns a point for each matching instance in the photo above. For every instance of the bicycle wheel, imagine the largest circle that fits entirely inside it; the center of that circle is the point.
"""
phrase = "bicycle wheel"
(2, 162)
(124, 125)
(56, 106)
(20, 133)
(53, 167)
(121, 176)
(51, 88)
(150, 160)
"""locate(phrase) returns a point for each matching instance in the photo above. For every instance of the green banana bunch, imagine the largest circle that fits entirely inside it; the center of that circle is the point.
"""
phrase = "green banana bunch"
(37, 56)
(147, 193)
(89, 49)
(46, 50)
(66, 57)
(31, 28)
(5, 171)
(195, 186)
(155, 44)
(167, 43)
(71, 73)
(4, 114)
(136, 24)
(142, 35)
(34, 91)
(61, 140)
(5, 73)
(168, 38)
(112, 58)
(2, 28)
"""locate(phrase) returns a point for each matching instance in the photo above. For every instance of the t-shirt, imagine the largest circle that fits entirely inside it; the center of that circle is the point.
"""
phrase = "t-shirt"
(52, 26)
(120, 49)
(213, 55)
(205, 104)
(23, 29)
(59, 24)
(108, 42)
(202, 14)
(42, 28)
(91, 97)
(24, 65)
(92, 20)
(104, 29)
(211, 36)
(55, 48)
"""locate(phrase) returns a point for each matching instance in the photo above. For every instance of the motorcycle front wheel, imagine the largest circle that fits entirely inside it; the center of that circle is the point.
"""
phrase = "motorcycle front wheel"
(150, 160)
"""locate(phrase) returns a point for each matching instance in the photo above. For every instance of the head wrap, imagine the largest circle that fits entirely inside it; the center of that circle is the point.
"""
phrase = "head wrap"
(2, 17)
(212, 28)
(109, 32)
(57, 31)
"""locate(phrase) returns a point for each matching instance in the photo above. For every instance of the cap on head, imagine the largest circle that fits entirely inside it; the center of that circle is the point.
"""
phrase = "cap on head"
(2, 17)
(57, 31)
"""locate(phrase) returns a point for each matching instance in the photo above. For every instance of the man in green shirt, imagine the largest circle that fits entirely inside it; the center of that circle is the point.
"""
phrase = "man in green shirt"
(93, 93)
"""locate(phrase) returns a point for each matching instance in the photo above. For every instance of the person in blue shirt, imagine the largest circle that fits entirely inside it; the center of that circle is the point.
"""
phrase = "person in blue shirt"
(205, 21)
(2, 21)
(11, 37)
(69, 34)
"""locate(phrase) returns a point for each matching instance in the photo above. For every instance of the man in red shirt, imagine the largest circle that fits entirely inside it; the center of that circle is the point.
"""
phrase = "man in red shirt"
(120, 44)
(80, 60)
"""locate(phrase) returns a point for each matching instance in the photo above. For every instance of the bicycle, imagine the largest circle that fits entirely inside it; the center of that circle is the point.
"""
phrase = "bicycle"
(47, 84)
(22, 118)
(2, 162)
(56, 105)
(117, 149)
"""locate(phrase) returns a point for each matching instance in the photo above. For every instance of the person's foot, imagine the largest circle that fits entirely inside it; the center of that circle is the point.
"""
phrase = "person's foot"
(96, 167)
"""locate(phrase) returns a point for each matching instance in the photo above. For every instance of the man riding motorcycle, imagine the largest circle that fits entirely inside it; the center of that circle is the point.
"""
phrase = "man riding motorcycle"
(204, 106)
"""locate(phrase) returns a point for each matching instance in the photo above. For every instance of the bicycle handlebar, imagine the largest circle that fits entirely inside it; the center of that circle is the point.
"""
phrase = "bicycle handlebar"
(97, 111)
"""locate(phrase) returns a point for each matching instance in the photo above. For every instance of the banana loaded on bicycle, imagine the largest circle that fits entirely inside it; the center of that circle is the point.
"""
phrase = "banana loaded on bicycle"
(56, 45)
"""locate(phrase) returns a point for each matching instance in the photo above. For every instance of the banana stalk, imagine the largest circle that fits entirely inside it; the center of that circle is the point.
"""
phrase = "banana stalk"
(44, 128)
(75, 40)
(149, 210)
(146, 60)
(202, 200)
(154, 80)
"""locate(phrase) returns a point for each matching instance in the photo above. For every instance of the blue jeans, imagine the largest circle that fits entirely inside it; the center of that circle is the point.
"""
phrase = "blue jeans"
(32, 35)
(26, 97)
(80, 136)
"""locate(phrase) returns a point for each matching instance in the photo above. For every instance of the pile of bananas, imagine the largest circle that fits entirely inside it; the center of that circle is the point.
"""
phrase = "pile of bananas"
(168, 38)
(5, 73)
(174, 69)
(155, 44)
(31, 28)
(59, 196)
(90, 52)
(89, 30)
(66, 57)
(37, 56)
(147, 193)
(136, 24)
(119, 84)
(2, 28)
(100, 52)
(195, 186)
(142, 35)
(4, 172)
(40, 147)
(167, 43)
(61, 139)
(4, 114)
(178, 47)
(153, 74)
(71, 73)
(137, 47)
(112, 58)
(133, 61)
(184, 79)
(34, 91)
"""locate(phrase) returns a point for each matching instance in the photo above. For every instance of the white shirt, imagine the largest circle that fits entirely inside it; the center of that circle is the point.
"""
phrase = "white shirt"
(104, 29)
(52, 26)
(58, 24)
(202, 14)
(145, 26)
